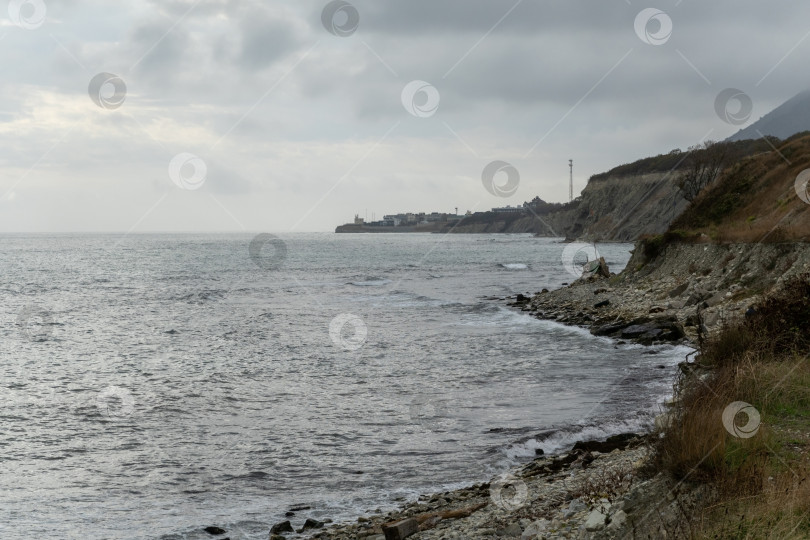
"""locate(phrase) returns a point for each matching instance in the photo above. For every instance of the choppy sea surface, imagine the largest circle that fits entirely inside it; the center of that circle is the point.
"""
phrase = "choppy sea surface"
(152, 385)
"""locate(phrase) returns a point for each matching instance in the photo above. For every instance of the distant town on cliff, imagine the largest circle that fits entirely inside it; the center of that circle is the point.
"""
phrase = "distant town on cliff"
(436, 221)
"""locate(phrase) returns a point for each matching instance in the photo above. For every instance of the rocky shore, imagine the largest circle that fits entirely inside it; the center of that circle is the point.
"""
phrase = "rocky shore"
(596, 490)
(676, 295)
(602, 489)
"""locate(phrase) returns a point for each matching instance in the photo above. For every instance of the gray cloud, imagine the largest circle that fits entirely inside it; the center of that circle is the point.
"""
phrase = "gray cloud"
(285, 112)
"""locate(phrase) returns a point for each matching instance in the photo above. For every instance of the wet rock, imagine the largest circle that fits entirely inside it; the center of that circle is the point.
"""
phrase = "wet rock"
(610, 444)
(214, 530)
(608, 329)
(636, 330)
(311, 524)
(284, 526)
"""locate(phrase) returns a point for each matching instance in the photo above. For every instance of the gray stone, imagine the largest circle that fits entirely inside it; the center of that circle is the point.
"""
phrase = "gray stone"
(311, 524)
(617, 520)
(284, 526)
(677, 304)
(574, 507)
(595, 520)
(534, 529)
(511, 531)
(679, 290)
(636, 330)
(716, 299)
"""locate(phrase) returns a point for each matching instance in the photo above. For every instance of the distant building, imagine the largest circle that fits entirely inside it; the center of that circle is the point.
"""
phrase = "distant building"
(409, 219)
(508, 210)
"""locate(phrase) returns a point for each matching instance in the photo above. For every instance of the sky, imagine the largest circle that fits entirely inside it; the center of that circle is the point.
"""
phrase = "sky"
(275, 116)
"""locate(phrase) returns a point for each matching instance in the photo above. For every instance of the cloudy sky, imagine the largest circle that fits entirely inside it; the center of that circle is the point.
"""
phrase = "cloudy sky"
(260, 115)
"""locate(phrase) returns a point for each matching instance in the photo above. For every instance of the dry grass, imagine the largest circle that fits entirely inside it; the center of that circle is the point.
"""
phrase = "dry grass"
(755, 199)
(607, 484)
(761, 480)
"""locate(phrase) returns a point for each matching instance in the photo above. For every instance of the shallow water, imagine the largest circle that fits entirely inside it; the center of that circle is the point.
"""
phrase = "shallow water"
(156, 384)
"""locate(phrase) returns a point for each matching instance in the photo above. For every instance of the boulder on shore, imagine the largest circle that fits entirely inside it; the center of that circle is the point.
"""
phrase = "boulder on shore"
(595, 269)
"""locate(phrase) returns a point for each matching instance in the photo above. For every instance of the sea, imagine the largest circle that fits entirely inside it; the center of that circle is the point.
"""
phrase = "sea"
(152, 385)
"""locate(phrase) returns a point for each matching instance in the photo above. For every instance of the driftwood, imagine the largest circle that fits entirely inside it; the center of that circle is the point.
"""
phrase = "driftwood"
(431, 519)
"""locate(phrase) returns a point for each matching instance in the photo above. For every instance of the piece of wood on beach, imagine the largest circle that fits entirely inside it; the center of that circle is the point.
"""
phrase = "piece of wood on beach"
(401, 529)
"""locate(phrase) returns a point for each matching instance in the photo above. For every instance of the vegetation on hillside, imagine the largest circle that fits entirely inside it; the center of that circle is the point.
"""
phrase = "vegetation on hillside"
(742, 423)
(677, 160)
(754, 200)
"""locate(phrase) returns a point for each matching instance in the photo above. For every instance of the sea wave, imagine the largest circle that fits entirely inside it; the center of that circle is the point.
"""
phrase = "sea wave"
(370, 282)
(514, 266)
(562, 438)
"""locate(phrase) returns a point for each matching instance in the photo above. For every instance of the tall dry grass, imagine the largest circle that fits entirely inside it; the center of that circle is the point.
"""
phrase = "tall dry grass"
(761, 480)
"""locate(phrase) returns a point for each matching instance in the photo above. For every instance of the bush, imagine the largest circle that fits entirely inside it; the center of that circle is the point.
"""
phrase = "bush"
(762, 361)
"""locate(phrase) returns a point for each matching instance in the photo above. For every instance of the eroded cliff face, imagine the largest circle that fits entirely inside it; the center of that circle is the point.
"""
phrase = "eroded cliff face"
(619, 209)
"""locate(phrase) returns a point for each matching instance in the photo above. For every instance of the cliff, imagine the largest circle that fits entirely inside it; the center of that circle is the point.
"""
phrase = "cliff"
(620, 205)
(731, 452)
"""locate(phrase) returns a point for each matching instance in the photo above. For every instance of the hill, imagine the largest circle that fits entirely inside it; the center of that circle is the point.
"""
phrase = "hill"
(622, 204)
(790, 118)
(754, 200)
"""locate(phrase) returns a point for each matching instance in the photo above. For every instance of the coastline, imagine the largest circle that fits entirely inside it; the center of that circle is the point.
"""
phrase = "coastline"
(592, 490)
(595, 490)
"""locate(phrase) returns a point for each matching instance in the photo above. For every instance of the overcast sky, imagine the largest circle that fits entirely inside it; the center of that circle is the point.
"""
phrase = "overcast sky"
(258, 115)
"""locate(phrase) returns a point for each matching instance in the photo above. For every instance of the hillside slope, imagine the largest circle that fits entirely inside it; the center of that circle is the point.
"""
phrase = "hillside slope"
(732, 275)
(620, 205)
(790, 118)
(754, 200)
